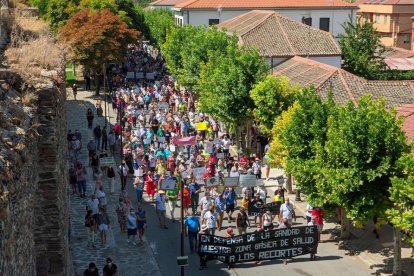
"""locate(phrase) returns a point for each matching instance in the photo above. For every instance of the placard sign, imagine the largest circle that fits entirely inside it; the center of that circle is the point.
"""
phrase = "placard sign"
(163, 105)
(255, 210)
(199, 173)
(151, 76)
(231, 181)
(185, 174)
(201, 126)
(130, 75)
(213, 181)
(140, 75)
(168, 184)
(106, 161)
(208, 147)
(258, 246)
(220, 155)
(161, 139)
(247, 180)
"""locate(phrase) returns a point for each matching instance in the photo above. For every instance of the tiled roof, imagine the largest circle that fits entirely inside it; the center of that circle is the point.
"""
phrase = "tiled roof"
(400, 64)
(252, 4)
(386, 2)
(396, 52)
(344, 85)
(167, 2)
(408, 112)
(275, 35)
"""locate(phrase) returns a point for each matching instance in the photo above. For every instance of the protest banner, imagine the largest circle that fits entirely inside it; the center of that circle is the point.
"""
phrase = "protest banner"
(140, 75)
(220, 155)
(191, 140)
(201, 126)
(168, 184)
(147, 141)
(106, 161)
(259, 246)
(257, 209)
(259, 182)
(213, 181)
(234, 174)
(231, 181)
(199, 173)
(247, 180)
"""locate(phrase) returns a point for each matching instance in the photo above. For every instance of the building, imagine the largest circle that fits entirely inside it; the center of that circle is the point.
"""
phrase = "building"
(278, 37)
(399, 59)
(407, 111)
(327, 15)
(165, 4)
(392, 19)
(344, 85)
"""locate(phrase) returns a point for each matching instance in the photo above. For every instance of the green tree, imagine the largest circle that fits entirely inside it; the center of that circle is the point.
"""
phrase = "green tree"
(362, 49)
(402, 196)
(196, 51)
(159, 23)
(97, 38)
(176, 40)
(225, 83)
(271, 96)
(58, 12)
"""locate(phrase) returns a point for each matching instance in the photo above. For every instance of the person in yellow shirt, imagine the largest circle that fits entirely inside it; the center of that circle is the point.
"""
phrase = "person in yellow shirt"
(245, 202)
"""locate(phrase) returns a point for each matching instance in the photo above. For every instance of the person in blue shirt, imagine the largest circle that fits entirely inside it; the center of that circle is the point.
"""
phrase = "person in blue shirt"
(220, 203)
(161, 154)
(192, 224)
(231, 201)
(195, 190)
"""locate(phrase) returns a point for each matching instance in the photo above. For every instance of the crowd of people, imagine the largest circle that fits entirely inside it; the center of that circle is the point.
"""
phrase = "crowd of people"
(163, 137)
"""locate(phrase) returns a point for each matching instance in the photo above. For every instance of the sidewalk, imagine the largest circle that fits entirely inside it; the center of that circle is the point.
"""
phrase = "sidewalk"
(376, 253)
(128, 258)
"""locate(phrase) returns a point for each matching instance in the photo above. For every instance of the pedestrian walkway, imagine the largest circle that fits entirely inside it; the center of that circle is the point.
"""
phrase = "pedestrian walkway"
(131, 260)
(376, 253)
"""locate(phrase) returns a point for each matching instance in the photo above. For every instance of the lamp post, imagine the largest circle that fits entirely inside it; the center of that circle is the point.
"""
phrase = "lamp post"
(104, 72)
(123, 184)
(181, 183)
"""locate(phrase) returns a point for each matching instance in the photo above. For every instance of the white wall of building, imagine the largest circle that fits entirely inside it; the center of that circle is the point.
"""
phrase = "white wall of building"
(329, 60)
(336, 17)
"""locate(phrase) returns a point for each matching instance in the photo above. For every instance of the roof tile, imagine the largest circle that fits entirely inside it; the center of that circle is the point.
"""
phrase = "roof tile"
(275, 35)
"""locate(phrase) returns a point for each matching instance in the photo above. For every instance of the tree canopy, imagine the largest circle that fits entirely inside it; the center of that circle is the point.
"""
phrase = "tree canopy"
(226, 81)
(271, 97)
(159, 23)
(97, 37)
(362, 49)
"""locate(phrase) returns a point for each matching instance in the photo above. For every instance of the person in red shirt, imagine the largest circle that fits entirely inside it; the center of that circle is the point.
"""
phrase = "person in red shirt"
(318, 214)
(171, 163)
(150, 185)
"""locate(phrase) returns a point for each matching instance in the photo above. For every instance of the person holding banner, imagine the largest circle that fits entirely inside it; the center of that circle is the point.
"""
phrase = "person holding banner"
(242, 221)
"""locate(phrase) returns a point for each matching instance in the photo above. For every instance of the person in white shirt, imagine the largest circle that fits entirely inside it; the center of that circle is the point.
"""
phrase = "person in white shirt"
(287, 212)
(93, 204)
(226, 146)
(210, 219)
(205, 203)
(161, 208)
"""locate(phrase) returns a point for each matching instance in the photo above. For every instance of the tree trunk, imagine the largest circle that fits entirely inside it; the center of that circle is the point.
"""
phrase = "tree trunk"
(289, 184)
(345, 225)
(248, 136)
(97, 84)
(396, 267)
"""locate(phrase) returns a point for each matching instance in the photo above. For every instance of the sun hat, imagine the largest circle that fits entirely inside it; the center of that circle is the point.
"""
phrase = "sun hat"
(204, 227)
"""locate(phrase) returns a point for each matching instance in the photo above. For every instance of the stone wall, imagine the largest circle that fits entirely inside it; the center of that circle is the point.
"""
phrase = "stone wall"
(33, 176)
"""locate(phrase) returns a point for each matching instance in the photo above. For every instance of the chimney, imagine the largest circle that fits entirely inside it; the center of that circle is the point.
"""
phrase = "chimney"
(412, 33)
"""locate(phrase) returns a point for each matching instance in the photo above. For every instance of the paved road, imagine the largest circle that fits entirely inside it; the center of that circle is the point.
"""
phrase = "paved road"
(164, 244)
(131, 260)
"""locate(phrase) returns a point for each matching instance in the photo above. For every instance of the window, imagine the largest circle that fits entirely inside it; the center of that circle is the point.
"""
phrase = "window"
(377, 18)
(366, 16)
(407, 38)
(385, 19)
(307, 21)
(324, 24)
(213, 21)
